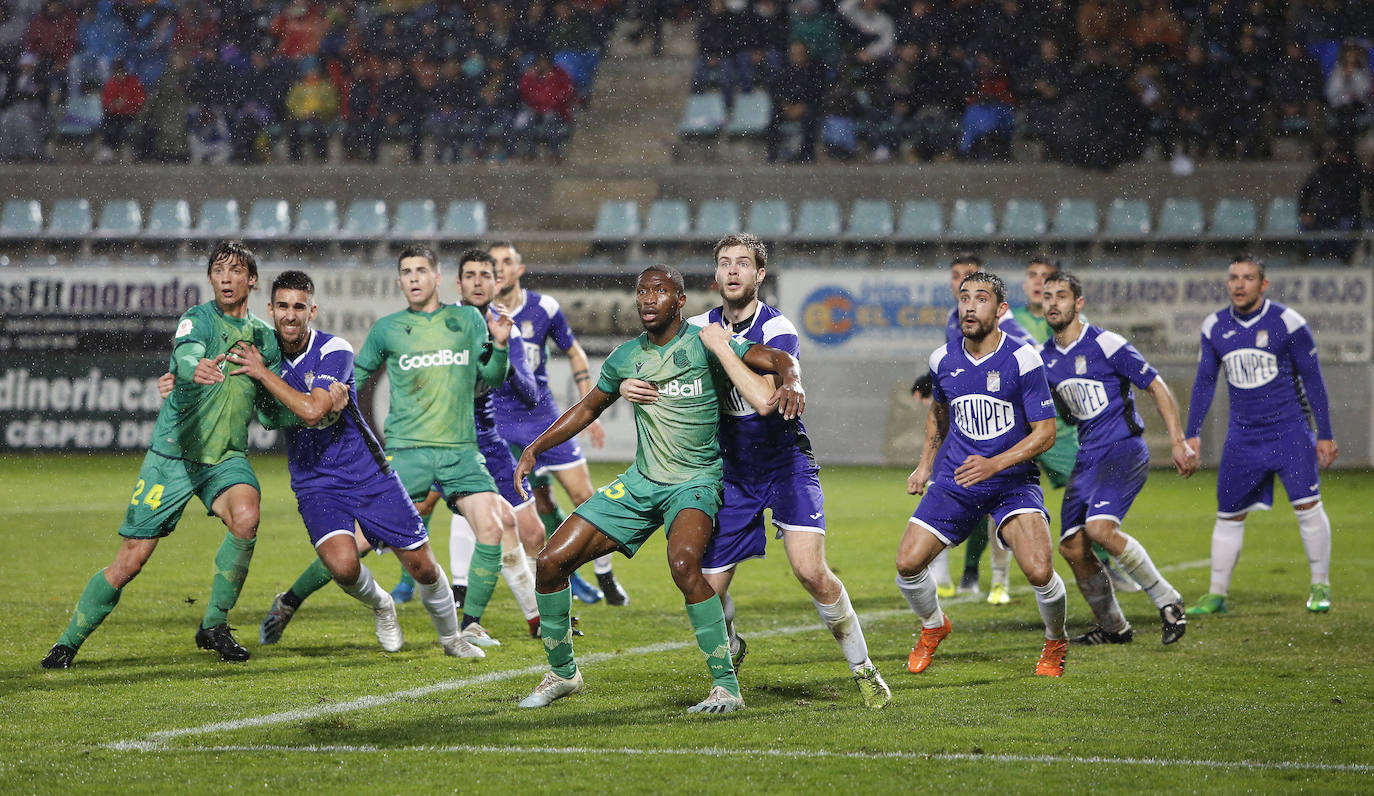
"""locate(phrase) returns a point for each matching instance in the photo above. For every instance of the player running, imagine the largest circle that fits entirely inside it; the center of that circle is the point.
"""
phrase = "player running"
(769, 464)
(991, 415)
(1274, 381)
(198, 448)
(675, 481)
(1091, 371)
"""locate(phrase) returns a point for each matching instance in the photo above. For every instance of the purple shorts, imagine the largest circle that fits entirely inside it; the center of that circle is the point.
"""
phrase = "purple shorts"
(797, 503)
(521, 434)
(1104, 484)
(952, 512)
(501, 465)
(1245, 478)
(380, 507)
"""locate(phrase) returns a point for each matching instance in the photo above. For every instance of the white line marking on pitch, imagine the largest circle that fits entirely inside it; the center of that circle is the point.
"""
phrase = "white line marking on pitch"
(582, 751)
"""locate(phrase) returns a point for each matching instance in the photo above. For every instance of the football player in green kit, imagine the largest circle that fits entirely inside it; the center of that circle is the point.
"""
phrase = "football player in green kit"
(198, 449)
(675, 481)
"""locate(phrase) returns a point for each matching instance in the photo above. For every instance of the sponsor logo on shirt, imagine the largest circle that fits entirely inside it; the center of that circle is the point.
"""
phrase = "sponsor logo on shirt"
(435, 359)
(184, 328)
(676, 389)
(1248, 368)
(982, 417)
(1086, 398)
(534, 355)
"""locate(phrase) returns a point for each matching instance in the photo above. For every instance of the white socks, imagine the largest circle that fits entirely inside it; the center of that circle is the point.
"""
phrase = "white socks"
(939, 568)
(1053, 603)
(602, 565)
(1227, 538)
(1315, 528)
(844, 626)
(1097, 591)
(1000, 559)
(365, 589)
(461, 542)
(437, 598)
(516, 570)
(727, 607)
(1142, 570)
(919, 591)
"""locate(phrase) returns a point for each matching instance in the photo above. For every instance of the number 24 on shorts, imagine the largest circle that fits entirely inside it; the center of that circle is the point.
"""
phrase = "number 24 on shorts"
(614, 490)
(153, 499)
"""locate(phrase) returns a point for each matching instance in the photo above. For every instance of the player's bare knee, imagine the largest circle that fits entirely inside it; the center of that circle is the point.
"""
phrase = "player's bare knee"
(815, 577)
(345, 572)
(1037, 573)
(1303, 507)
(425, 571)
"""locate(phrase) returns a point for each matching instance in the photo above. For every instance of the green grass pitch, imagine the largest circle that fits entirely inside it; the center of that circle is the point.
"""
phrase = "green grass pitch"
(1268, 698)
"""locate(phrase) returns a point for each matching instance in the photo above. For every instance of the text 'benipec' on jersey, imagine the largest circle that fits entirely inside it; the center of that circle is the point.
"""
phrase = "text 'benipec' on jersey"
(992, 401)
(677, 434)
(1092, 377)
(757, 447)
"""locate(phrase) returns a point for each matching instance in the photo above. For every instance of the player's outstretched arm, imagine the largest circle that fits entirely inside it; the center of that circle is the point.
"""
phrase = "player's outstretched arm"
(1184, 455)
(568, 425)
(977, 469)
(937, 426)
(1204, 387)
(582, 377)
(310, 407)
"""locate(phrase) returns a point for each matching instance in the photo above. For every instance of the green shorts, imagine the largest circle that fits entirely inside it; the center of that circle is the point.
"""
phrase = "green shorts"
(1057, 462)
(165, 485)
(631, 508)
(537, 480)
(459, 471)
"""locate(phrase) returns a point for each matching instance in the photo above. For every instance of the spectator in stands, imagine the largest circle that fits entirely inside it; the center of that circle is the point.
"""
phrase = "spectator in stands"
(1158, 31)
(452, 106)
(547, 93)
(1101, 21)
(299, 28)
(1042, 84)
(51, 37)
(261, 94)
(213, 82)
(498, 101)
(767, 38)
(1248, 100)
(151, 44)
(24, 120)
(946, 85)
(207, 134)
(1056, 19)
(719, 46)
(359, 110)
(1006, 32)
(796, 95)
(922, 25)
(990, 118)
(120, 102)
(1295, 85)
(528, 34)
(572, 37)
(161, 134)
(311, 106)
(1330, 200)
(1194, 85)
(1152, 93)
(1348, 91)
(891, 113)
(399, 106)
(840, 110)
(102, 36)
(817, 29)
(651, 14)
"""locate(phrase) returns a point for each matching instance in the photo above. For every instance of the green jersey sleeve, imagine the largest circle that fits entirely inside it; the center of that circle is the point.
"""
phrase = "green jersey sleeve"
(372, 355)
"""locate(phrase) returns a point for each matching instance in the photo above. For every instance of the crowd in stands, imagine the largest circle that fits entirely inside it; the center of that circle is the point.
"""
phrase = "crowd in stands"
(225, 81)
(1096, 82)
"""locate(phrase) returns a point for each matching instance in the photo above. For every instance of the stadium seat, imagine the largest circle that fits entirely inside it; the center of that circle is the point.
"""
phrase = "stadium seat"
(616, 221)
(316, 219)
(1282, 219)
(70, 218)
(716, 219)
(1128, 219)
(752, 112)
(268, 218)
(415, 218)
(1076, 219)
(1180, 219)
(465, 219)
(365, 220)
(1233, 219)
(169, 219)
(1023, 219)
(818, 220)
(920, 220)
(23, 218)
(870, 220)
(219, 218)
(972, 219)
(704, 115)
(120, 218)
(770, 219)
(667, 219)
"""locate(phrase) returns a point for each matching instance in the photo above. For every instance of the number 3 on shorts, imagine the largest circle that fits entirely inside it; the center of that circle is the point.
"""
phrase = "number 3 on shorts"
(614, 490)
(152, 500)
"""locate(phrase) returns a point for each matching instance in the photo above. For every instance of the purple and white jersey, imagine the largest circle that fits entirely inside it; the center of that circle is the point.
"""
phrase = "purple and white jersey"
(954, 336)
(1273, 376)
(519, 380)
(992, 402)
(1092, 378)
(754, 447)
(538, 318)
(345, 454)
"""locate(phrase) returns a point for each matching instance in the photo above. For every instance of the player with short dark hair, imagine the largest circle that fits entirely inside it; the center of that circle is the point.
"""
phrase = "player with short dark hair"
(675, 481)
(1091, 371)
(991, 415)
(198, 449)
(1274, 380)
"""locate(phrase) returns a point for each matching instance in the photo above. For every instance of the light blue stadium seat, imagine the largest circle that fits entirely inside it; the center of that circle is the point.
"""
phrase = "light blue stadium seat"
(465, 219)
(717, 218)
(1180, 219)
(1233, 219)
(750, 115)
(703, 115)
(120, 218)
(972, 219)
(870, 220)
(70, 218)
(317, 218)
(667, 219)
(1282, 219)
(219, 218)
(616, 221)
(169, 218)
(23, 218)
(1128, 219)
(921, 220)
(365, 220)
(268, 218)
(1023, 219)
(1076, 219)
(415, 218)
(818, 220)
(770, 219)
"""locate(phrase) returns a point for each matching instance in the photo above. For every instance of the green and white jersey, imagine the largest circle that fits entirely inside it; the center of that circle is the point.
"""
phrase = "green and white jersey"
(208, 423)
(676, 434)
(433, 361)
(1038, 327)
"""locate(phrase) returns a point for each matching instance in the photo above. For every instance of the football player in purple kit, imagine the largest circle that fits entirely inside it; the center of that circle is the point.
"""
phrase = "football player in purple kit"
(1091, 371)
(1277, 394)
(540, 319)
(991, 415)
(769, 464)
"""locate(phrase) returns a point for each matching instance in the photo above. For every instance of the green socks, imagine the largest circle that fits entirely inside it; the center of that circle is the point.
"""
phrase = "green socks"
(708, 621)
(555, 628)
(96, 603)
(486, 568)
(231, 569)
(311, 580)
(552, 520)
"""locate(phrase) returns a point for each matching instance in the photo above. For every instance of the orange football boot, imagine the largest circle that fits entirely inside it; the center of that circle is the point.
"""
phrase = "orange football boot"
(925, 647)
(1051, 662)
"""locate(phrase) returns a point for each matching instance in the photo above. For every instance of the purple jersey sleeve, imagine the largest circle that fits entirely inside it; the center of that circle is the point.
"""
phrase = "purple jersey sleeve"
(560, 332)
(1303, 351)
(1128, 362)
(334, 366)
(519, 375)
(1036, 402)
(1204, 386)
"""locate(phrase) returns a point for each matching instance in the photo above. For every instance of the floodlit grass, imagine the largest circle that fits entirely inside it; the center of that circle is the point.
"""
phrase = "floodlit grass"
(1266, 698)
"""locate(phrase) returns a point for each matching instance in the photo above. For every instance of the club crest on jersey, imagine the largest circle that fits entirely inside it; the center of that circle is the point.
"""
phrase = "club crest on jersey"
(1086, 398)
(680, 358)
(526, 329)
(1262, 338)
(994, 381)
(982, 417)
(1248, 368)
(1080, 364)
(309, 379)
(452, 324)
(184, 328)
